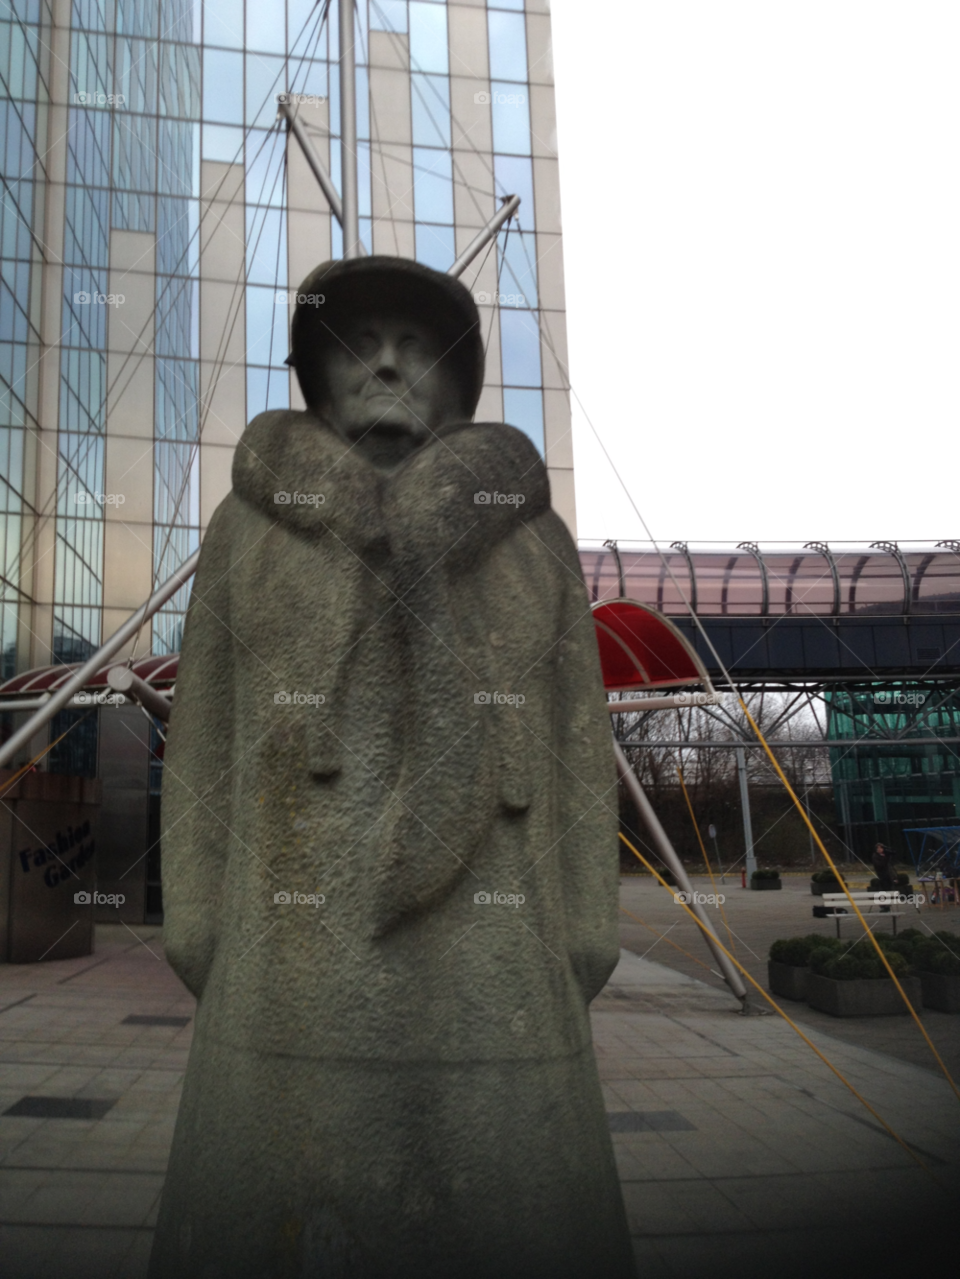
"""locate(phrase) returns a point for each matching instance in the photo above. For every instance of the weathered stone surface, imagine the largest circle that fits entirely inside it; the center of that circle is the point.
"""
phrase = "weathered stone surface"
(941, 991)
(875, 997)
(787, 980)
(398, 1080)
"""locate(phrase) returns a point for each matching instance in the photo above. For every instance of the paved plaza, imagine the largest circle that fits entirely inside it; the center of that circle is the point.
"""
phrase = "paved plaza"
(740, 1154)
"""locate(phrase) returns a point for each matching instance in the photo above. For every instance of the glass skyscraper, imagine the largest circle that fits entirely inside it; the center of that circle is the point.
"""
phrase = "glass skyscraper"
(154, 217)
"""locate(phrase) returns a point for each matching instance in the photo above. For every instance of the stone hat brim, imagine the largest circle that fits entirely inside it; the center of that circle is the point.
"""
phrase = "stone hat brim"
(386, 285)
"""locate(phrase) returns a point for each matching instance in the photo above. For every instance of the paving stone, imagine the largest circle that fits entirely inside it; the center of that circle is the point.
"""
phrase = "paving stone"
(780, 1168)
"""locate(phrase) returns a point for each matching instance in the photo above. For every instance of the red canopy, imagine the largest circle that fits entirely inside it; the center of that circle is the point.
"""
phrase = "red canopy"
(642, 649)
(161, 672)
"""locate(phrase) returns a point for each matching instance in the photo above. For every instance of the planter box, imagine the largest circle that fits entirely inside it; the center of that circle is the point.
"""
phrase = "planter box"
(831, 886)
(877, 997)
(765, 885)
(787, 980)
(941, 992)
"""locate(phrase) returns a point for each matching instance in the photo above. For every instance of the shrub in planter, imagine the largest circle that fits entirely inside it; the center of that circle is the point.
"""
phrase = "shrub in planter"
(904, 943)
(938, 960)
(789, 964)
(903, 885)
(854, 982)
(825, 881)
(765, 880)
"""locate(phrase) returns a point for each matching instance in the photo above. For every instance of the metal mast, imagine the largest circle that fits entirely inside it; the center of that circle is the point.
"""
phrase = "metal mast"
(348, 133)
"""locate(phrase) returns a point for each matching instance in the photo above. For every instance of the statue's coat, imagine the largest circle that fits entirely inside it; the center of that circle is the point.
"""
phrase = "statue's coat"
(400, 1081)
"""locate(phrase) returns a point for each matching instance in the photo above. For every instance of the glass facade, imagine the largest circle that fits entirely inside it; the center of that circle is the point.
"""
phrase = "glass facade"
(885, 785)
(128, 127)
(24, 93)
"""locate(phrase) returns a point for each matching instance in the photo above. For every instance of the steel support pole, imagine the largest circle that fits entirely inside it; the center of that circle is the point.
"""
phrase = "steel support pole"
(286, 107)
(348, 133)
(100, 659)
(123, 680)
(668, 854)
(483, 238)
(751, 862)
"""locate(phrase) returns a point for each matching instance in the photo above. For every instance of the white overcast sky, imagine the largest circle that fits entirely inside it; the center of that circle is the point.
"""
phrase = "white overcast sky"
(762, 253)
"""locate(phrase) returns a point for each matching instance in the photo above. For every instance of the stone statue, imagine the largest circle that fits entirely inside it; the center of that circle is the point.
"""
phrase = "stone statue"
(389, 832)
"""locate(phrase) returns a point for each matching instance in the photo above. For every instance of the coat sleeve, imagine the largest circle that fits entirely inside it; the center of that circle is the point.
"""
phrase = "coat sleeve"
(587, 777)
(197, 759)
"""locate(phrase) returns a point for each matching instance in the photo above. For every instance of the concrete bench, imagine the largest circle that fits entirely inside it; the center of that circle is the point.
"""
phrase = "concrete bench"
(837, 906)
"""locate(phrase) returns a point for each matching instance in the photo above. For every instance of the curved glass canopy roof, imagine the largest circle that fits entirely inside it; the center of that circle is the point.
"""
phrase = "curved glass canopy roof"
(750, 581)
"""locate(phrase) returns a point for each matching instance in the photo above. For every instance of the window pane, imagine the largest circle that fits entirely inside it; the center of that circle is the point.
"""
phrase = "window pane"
(520, 348)
(430, 102)
(363, 179)
(388, 15)
(223, 23)
(223, 86)
(222, 142)
(518, 269)
(508, 46)
(180, 81)
(267, 389)
(435, 246)
(265, 153)
(267, 247)
(267, 315)
(511, 118)
(525, 410)
(265, 79)
(433, 185)
(265, 26)
(428, 37)
(513, 175)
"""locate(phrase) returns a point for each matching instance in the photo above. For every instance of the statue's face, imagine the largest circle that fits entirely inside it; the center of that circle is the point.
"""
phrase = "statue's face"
(388, 387)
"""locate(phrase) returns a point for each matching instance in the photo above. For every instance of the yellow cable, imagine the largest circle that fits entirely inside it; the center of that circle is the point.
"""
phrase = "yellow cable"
(706, 860)
(36, 759)
(856, 908)
(792, 1024)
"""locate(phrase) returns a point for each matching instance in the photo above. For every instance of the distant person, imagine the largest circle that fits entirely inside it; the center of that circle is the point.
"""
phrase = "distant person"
(883, 868)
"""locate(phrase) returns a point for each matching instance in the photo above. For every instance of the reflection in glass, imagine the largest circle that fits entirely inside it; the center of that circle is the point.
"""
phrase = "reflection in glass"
(519, 348)
(524, 408)
(508, 46)
(510, 115)
(435, 246)
(433, 185)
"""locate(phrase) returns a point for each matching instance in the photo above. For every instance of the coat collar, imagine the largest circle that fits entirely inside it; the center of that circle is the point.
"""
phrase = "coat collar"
(454, 497)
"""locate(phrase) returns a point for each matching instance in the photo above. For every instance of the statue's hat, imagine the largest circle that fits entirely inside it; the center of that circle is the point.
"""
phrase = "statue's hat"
(386, 285)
